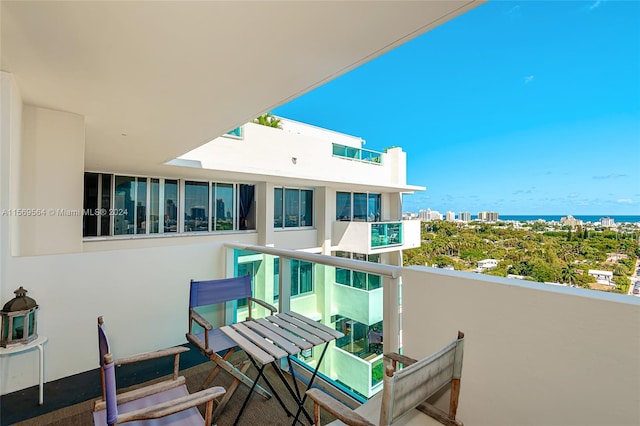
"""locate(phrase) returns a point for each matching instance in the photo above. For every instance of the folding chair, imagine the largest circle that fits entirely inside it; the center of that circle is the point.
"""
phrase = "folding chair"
(164, 403)
(212, 342)
(404, 393)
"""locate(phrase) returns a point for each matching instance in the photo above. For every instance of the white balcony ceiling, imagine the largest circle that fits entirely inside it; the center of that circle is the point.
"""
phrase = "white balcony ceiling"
(174, 75)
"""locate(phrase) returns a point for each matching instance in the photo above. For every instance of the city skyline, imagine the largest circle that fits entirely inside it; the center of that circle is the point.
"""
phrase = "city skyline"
(524, 108)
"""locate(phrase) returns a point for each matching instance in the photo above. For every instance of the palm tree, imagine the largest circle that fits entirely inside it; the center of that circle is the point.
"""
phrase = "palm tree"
(268, 120)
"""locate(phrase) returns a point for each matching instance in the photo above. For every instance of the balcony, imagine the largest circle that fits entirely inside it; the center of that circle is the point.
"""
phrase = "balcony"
(375, 237)
(358, 154)
(534, 353)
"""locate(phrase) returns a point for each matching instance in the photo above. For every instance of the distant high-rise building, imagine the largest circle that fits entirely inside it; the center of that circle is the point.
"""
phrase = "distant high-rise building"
(488, 216)
(450, 216)
(570, 221)
(464, 216)
(428, 214)
(607, 222)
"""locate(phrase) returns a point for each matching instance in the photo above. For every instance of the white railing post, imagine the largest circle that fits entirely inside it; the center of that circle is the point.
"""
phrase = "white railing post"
(391, 311)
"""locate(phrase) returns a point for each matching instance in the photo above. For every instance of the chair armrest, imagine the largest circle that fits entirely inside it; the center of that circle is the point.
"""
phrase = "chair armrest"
(404, 360)
(337, 409)
(171, 407)
(200, 320)
(151, 355)
(264, 304)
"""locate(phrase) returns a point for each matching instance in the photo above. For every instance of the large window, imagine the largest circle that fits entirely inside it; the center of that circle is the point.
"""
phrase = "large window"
(130, 205)
(196, 206)
(301, 277)
(358, 207)
(358, 279)
(293, 208)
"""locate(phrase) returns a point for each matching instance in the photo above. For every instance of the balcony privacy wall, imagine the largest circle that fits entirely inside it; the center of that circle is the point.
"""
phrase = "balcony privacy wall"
(535, 354)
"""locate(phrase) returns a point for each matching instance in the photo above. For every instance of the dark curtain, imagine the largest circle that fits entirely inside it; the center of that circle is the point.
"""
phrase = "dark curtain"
(246, 201)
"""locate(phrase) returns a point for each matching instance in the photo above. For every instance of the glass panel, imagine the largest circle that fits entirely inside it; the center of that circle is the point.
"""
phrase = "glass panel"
(223, 207)
(105, 220)
(343, 206)
(141, 206)
(291, 207)
(196, 202)
(306, 277)
(359, 207)
(377, 368)
(90, 205)
(343, 276)
(248, 268)
(295, 279)
(235, 132)
(306, 208)
(154, 206)
(374, 208)
(124, 203)
(359, 278)
(374, 281)
(277, 208)
(170, 205)
(276, 279)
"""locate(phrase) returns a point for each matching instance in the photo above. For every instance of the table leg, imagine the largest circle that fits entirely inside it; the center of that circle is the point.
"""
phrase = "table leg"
(304, 398)
(41, 372)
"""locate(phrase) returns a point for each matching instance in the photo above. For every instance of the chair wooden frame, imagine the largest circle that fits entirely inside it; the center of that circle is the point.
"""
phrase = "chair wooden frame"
(152, 411)
(433, 372)
(221, 359)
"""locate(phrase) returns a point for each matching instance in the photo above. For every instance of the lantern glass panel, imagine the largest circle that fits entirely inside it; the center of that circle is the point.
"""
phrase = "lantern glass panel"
(18, 327)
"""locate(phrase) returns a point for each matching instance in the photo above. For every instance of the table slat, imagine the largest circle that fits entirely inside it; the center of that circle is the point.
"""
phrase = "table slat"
(251, 349)
(285, 344)
(302, 344)
(326, 337)
(296, 330)
(316, 324)
(260, 341)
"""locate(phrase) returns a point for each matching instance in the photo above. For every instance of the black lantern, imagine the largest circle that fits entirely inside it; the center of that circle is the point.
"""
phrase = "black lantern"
(18, 320)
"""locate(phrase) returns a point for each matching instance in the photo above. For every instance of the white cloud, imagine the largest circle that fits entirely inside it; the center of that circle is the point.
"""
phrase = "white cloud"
(513, 10)
(595, 5)
(528, 79)
(610, 176)
(625, 201)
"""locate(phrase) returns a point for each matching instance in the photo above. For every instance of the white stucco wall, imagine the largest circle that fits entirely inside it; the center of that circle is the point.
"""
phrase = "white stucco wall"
(534, 354)
(305, 157)
(51, 181)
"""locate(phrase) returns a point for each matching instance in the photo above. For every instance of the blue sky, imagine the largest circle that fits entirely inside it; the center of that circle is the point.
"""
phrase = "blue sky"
(518, 107)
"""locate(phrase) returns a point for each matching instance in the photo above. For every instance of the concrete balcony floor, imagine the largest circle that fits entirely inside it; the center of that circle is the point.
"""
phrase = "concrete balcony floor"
(69, 401)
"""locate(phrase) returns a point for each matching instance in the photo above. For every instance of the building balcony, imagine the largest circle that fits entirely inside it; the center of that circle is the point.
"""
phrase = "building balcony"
(375, 237)
(358, 154)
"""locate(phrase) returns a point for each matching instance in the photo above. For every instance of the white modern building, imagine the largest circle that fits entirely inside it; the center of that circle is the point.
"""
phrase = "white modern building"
(602, 277)
(607, 222)
(487, 264)
(464, 216)
(429, 215)
(101, 104)
(488, 216)
(570, 221)
(450, 216)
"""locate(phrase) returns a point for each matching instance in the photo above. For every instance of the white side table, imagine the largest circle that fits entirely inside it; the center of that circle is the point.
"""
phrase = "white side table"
(38, 343)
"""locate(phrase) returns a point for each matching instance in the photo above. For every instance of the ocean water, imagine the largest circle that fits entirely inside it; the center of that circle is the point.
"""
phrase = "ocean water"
(584, 218)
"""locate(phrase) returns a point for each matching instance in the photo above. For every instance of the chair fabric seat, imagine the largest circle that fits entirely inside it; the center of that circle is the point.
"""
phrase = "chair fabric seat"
(370, 410)
(218, 341)
(184, 418)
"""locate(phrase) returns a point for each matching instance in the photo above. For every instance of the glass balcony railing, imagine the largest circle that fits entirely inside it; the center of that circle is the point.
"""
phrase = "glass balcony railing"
(357, 153)
(385, 234)
(311, 287)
